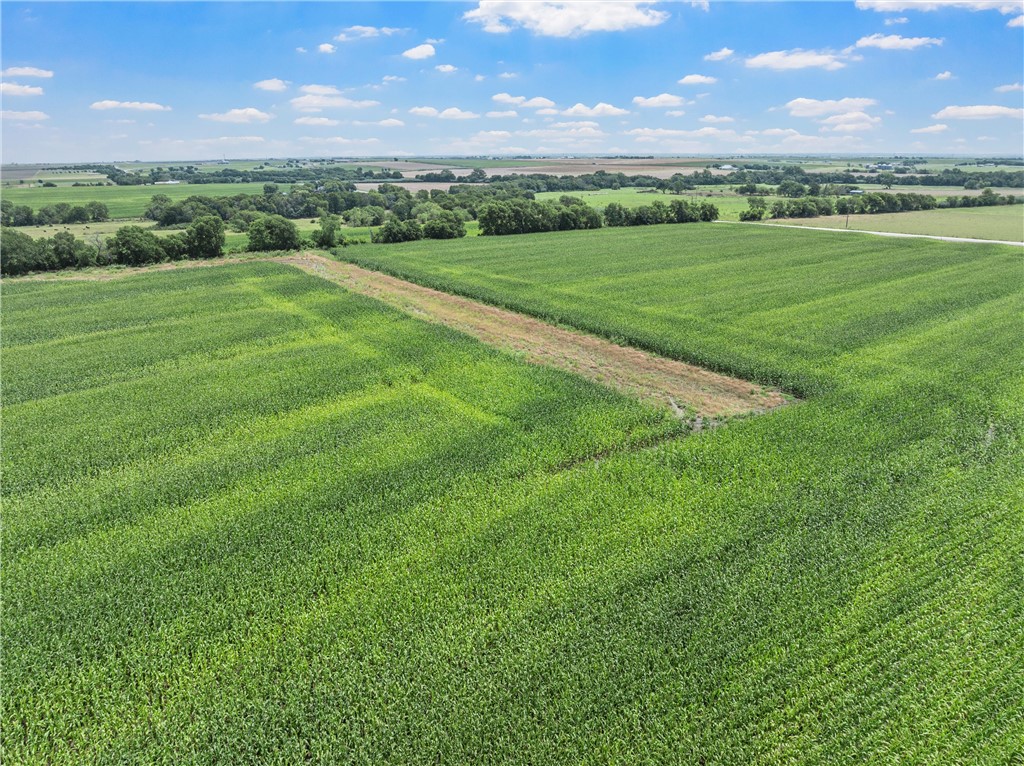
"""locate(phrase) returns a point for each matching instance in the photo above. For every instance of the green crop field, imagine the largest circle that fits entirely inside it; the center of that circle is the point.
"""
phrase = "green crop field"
(250, 517)
(1003, 222)
(729, 204)
(125, 201)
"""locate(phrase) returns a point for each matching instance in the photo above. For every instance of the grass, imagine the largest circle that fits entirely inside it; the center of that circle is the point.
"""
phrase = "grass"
(125, 201)
(1005, 222)
(250, 517)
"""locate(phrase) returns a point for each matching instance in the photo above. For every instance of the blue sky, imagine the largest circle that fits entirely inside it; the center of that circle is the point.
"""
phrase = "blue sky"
(175, 81)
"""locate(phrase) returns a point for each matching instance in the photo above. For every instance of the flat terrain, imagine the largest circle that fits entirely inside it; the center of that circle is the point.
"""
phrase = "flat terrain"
(1004, 222)
(250, 516)
(126, 201)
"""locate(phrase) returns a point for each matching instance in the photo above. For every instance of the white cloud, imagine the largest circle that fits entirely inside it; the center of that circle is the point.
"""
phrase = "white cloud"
(446, 68)
(325, 121)
(698, 79)
(947, 75)
(538, 102)
(1009, 88)
(14, 89)
(986, 112)
(564, 19)
(897, 20)
(359, 32)
(576, 124)
(485, 136)
(141, 106)
(424, 51)
(776, 132)
(246, 114)
(1017, 22)
(273, 84)
(326, 48)
(896, 6)
(811, 107)
(850, 122)
(424, 111)
(331, 140)
(391, 122)
(505, 98)
(300, 49)
(675, 112)
(547, 111)
(231, 140)
(931, 129)
(652, 135)
(389, 78)
(507, 113)
(661, 100)
(598, 110)
(713, 120)
(315, 102)
(897, 43)
(508, 75)
(26, 71)
(719, 55)
(23, 116)
(320, 90)
(479, 78)
(797, 58)
(454, 113)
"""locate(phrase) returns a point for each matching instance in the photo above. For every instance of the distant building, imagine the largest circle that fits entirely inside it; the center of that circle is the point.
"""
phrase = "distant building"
(165, 183)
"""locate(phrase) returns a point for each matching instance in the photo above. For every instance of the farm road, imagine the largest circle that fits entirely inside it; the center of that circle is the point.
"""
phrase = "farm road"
(687, 390)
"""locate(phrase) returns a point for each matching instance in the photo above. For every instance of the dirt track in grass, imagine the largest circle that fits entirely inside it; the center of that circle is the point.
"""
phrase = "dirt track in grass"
(687, 390)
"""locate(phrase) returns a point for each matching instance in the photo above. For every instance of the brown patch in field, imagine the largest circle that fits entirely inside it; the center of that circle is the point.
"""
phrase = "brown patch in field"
(685, 389)
(688, 391)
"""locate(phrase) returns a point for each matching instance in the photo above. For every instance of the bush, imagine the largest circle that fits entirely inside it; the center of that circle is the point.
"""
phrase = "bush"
(446, 224)
(204, 237)
(394, 230)
(134, 246)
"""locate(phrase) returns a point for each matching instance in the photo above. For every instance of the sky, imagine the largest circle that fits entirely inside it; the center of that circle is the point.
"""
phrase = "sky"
(91, 81)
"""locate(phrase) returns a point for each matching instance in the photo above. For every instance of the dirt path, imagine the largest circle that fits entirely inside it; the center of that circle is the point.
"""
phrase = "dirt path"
(688, 391)
(877, 233)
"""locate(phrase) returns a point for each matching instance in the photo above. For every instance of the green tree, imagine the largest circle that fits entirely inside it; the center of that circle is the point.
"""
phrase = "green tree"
(329, 234)
(134, 246)
(445, 225)
(273, 232)
(204, 237)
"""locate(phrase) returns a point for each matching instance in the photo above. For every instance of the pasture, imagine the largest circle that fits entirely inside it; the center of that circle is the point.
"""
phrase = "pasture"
(126, 201)
(252, 517)
(1001, 222)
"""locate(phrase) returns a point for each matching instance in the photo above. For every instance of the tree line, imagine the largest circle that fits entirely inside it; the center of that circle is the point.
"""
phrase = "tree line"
(61, 213)
(870, 203)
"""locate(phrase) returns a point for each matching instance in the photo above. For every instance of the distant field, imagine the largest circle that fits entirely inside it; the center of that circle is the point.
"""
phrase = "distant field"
(728, 203)
(126, 201)
(1004, 222)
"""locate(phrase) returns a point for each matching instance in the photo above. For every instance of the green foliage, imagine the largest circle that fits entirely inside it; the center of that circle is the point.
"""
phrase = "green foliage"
(273, 232)
(446, 224)
(395, 230)
(204, 238)
(249, 517)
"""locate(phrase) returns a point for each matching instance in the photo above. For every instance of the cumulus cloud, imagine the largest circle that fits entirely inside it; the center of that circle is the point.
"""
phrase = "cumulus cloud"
(896, 6)
(446, 68)
(547, 111)
(812, 107)
(245, 114)
(326, 48)
(675, 112)
(454, 113)
(424, 51)
(273, 84)
(563, 19)
(141, 106)
(390, 122)
(931, 129)
(654, 135)
(26, 71)
(981, 112)
(896, 20)
(1017, 22)
(850, 122)
(506, 113)
(320, 90)
(598, 110)
(316, 102)
(14, 89)
(324, 121)
(390, 78)
(537, 102)
(1009, 88)
(715, 120)
(797, 58)
(719, 55)
(897, 43)
(424, 111)
(947, 75)
(338, 140)
(6, 114)
(698, 79)
(359, 32)
(661, 100)
(508, 75)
